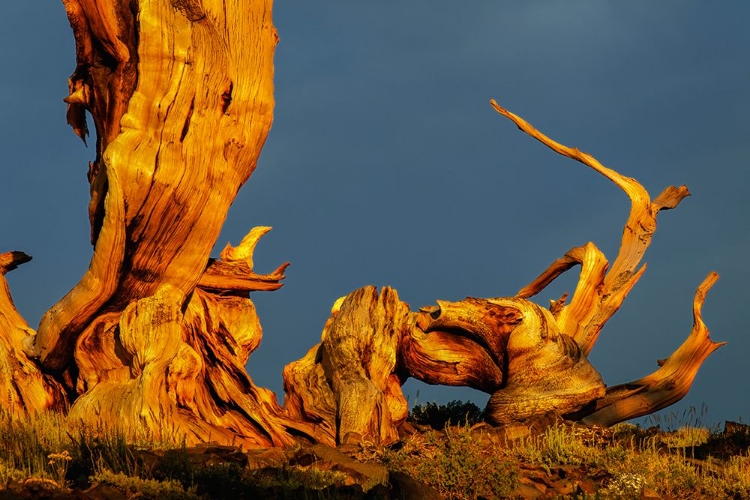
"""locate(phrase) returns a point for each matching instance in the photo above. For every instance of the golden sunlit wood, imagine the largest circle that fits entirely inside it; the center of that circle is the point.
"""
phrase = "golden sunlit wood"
(24, 388)
(667, 385)
(155, 338)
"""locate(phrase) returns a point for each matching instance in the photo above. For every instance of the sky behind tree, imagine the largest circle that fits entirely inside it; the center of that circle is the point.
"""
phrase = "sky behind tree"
(387, 166)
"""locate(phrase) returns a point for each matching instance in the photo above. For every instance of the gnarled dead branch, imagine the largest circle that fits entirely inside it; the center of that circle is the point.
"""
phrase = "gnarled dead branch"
(600, 293)
(668, 384)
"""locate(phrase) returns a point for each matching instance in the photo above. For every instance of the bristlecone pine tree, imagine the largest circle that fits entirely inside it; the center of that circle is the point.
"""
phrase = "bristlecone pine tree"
(155, 337)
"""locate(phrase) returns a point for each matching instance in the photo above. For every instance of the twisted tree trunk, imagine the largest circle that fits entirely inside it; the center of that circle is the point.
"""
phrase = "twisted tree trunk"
(181, 96)
(155, 337)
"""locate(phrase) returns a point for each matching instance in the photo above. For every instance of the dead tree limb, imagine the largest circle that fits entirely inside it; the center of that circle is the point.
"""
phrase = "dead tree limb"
(667, 385)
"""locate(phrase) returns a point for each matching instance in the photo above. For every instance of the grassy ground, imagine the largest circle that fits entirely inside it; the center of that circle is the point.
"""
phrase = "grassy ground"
(669, 457)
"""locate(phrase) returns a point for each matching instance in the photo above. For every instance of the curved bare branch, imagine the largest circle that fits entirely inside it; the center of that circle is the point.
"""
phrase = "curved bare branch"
(599, 296)
(670, 382)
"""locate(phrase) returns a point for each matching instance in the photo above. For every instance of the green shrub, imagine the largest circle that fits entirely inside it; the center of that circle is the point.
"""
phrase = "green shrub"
(456, 465)
(9, 473)
(454, 413)
(230, 480)
(146, 488)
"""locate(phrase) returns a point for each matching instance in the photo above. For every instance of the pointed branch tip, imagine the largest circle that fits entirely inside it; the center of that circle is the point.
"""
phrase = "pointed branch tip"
(11, 260)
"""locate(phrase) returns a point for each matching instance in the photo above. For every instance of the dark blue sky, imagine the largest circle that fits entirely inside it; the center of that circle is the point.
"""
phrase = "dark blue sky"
(387, 166)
